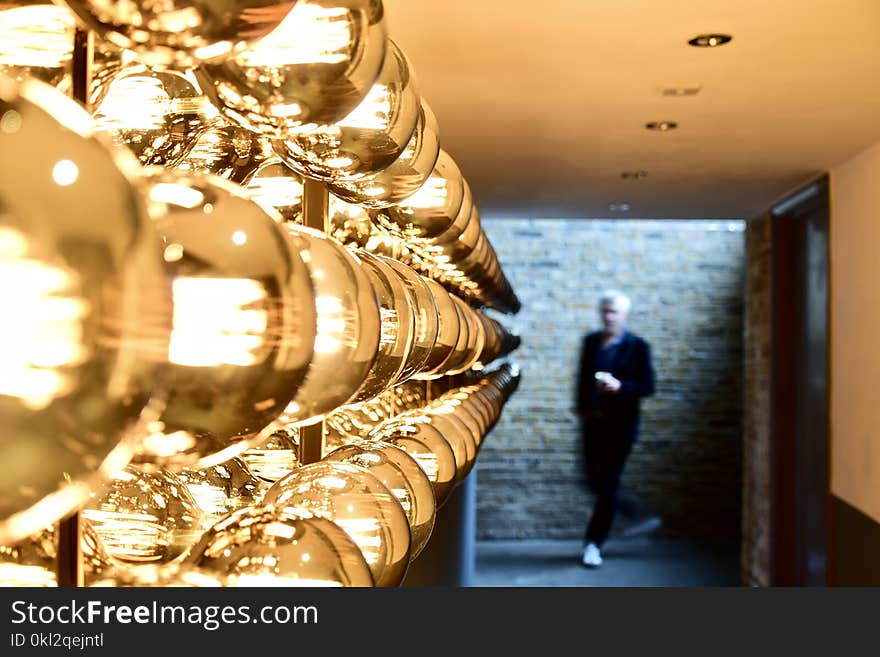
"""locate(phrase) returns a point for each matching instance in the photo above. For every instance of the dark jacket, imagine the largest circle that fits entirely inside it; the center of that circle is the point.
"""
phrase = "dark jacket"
(632, 366)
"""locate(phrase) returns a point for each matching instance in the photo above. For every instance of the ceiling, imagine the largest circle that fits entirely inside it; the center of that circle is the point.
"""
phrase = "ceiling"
(543, 104)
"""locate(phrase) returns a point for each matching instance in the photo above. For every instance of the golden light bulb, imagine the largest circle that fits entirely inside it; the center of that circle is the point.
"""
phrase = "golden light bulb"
(276, 456)
(403, 177)
(277, 188)
(270, 546)
(36, 40)
(428, 446)
(448, 332)
(145, 517)
(357, 502)
(157, 114)
(81, 354)
(232, 153)
(403, 476)
(426, 319)
(397, 315)
(222, 488)
(348, 326)
(182, 32)
(435, 207)
(312, 70)
(370, 138)
(243, 325)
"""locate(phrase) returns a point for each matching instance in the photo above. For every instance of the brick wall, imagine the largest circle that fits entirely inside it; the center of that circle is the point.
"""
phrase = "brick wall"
(686, 282)
(756, 552)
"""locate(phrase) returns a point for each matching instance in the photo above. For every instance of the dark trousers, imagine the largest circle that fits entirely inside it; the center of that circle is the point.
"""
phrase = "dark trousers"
(606, 448)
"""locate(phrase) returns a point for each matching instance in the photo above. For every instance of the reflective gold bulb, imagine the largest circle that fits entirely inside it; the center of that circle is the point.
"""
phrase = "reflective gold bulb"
(312, 70)
(277, 188)
(276, 456)
(222, 488)
(145, 517)
(348, 326)
(271, 546)
(155, 114)
(404, 478)
(232, 153)
(243, 327)
(82, 351)
(403, 177)
(360, 504)
(428, 446)
(435, 207)
(397, 314)
(370, 138)
(182, 32)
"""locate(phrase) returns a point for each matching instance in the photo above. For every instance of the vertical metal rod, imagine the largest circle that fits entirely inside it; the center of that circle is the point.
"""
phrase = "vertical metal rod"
(69, 563)
(316, 214)
(83, 53)
(311, 443)
(68, 566)
(316, 204)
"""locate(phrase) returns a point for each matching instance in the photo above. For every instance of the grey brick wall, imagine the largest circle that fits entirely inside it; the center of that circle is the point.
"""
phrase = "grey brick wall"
(757, 487)
(686, 279)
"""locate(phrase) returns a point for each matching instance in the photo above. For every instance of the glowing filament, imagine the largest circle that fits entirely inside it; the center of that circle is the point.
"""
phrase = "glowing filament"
(40, 36)
(331, 324)
(212, 323)
(130, 536)
(430, 195)
(365, 533)
(390, 326)
(43, 332)
(308, 35)
(137, 102)
(374, 113)
(277, 191)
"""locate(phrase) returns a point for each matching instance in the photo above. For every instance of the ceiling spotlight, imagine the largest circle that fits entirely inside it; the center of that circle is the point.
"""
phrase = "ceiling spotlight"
(634, 175)
(619, 207)
(661, 126)
(710, 40)
(685, 90)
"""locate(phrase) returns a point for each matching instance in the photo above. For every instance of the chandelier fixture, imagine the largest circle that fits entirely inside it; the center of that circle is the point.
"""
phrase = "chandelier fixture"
(251, 333)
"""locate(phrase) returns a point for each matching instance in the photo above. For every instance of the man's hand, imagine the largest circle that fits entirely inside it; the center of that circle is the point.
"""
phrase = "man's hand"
(608, 385)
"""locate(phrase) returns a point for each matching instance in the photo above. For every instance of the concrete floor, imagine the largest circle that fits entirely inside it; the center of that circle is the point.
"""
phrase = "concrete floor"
(628, 562)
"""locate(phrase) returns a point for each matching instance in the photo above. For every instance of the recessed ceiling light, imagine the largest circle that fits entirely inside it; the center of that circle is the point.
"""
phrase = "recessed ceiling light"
(634, 175)
(619, 207)
(684, 90)
(710, 40)
(661, 126)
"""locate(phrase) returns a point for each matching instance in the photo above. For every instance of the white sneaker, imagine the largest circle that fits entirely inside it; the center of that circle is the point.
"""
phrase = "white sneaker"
(592, 556)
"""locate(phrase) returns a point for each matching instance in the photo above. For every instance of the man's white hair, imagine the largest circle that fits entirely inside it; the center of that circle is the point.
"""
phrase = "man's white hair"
(616, 296)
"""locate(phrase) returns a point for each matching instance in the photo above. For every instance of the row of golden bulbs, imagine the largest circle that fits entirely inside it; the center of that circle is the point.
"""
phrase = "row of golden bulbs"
(358, 517)
(168, 318)
(269, 93)
(266, 111)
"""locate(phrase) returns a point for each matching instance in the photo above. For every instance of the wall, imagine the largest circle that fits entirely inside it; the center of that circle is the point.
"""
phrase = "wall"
(686, 281)
(855, 363)
(855, 325)
(757, 462)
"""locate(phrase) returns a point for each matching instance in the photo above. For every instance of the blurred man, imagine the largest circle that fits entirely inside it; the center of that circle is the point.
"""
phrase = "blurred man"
(615, 373)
